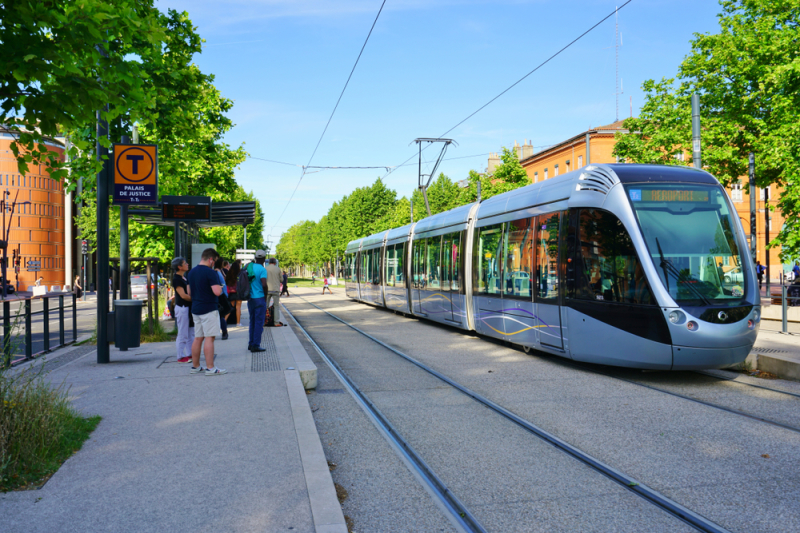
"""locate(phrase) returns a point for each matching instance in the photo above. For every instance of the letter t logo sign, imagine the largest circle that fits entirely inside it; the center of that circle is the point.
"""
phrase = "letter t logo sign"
(135, 159)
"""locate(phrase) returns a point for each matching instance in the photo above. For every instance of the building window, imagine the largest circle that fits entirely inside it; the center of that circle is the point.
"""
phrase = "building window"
(736, 193)
(567, 165)
(555, 171)
(535, 177)
(580, 161)
(545, 173)
(762, 193)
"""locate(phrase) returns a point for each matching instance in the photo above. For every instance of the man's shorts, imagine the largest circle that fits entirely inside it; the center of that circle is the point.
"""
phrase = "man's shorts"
(206, 325)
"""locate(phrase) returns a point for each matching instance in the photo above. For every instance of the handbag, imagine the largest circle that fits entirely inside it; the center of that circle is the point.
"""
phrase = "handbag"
(225, 307)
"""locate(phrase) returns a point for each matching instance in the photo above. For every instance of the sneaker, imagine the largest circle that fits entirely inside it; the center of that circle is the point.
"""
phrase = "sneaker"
(197, 370)
(224, 336)
(185, 360)
(215, 371)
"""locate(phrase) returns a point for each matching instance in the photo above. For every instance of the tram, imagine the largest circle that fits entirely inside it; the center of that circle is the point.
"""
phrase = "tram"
(617, 264)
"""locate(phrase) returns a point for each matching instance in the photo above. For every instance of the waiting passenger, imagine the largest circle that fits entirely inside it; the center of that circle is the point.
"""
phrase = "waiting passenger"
(183, 311)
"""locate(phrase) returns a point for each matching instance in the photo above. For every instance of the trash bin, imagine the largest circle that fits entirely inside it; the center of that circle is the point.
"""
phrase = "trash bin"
(128, 324)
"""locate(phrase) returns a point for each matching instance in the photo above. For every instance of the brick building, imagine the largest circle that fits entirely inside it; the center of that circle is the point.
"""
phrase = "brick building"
(37, 228)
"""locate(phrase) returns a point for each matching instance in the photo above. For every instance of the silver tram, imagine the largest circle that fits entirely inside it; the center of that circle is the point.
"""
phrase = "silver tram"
(640, 266)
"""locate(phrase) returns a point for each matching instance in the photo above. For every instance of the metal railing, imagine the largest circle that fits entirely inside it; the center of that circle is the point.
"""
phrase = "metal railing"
(11, 325)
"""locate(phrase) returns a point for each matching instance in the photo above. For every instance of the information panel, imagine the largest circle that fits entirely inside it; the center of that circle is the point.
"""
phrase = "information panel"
(191, 208)
(135, 174)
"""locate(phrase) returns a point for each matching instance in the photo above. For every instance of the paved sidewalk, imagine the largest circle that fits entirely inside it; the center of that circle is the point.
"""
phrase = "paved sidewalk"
(180, 452)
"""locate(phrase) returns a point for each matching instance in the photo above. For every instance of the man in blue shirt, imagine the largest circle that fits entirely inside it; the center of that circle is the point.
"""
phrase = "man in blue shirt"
(257, 304)
(205, 288)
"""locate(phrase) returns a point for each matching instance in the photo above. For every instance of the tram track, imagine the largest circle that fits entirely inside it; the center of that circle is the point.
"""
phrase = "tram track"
(753, 385)
(690, 398)
(458, 512)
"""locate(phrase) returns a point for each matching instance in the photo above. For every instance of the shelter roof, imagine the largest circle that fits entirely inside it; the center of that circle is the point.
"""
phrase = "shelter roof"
(222, 214)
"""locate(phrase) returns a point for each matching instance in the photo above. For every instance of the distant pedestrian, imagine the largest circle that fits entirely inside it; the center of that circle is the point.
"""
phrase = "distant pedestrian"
(205, 288)
(313, 278)
(326, 286)
(230, 281)
(257, 304)
(76, 287)
(285, 284)
(274, 290)
(760, 273)
(37, 283)
(183, 311)
(223, 317)
(796, 271)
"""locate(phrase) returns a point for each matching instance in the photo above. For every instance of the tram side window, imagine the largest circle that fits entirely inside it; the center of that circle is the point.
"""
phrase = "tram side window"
(518, 259)
(433, 267)
(365, 264)
(399, 257)
(487, 258)
(609, 268)
(447, 261)
(419, 263)
(546, 275)
(391, 264)
(455, 260)
(376, 266)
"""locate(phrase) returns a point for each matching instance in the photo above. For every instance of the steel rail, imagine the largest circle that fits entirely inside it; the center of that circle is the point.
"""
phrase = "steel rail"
(781, 425)
(733, 380)
(458, 512)
(652, 496)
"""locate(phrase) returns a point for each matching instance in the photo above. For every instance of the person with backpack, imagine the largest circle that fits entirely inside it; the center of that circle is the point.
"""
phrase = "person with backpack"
(230, 280)
(252, 286)
(760, 273)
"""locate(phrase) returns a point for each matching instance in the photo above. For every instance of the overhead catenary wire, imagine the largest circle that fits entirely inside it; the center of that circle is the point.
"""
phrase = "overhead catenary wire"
(540, 65)
(332, 113)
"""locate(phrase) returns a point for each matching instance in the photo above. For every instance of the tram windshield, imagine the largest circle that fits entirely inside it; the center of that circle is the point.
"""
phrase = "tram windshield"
(691, 238)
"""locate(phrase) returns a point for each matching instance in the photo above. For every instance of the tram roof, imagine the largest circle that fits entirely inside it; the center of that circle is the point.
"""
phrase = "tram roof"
(222, 214)
(455, 216)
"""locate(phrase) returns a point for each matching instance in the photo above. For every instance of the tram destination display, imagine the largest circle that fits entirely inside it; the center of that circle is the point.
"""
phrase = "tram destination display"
(668, 195)
(186, 208)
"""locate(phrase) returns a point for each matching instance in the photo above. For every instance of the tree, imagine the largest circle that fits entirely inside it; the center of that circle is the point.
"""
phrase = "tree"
(748, 79)
(62, 62)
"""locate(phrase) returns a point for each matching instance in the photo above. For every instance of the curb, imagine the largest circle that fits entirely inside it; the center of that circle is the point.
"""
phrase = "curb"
(325, 507)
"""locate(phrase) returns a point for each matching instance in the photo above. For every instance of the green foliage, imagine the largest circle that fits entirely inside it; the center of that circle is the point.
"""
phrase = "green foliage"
(39, 428)
(369, 210)
(187, 120)
(748, 79)
(56, 75)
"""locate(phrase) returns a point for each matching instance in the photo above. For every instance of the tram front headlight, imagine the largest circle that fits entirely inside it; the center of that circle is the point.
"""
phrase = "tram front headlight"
(676, 317)
(756, 315)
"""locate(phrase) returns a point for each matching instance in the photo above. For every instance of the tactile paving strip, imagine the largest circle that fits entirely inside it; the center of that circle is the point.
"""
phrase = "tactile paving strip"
(266, 361)
(767, 350)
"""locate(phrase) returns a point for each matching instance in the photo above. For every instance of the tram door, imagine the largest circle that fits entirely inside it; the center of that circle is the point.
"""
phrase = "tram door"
(417, 273)
(548, 313)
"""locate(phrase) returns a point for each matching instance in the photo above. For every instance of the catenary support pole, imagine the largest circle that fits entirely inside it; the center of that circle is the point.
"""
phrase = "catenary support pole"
(766, 236)
(752, 194)
(696, 156)
(101, 280)
(124, 246)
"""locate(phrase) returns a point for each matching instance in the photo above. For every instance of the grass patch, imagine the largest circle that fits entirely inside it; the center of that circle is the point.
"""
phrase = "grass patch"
(159, 333)
(39, 429)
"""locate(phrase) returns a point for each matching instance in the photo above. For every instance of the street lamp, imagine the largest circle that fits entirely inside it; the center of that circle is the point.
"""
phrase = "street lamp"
(4, 241)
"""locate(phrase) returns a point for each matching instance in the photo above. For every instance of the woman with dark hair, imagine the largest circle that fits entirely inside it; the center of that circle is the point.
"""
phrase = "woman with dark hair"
(230, 281)
(183, 311)
(223, 318)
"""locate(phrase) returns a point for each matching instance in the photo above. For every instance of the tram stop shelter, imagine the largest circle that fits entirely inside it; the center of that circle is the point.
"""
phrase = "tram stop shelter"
(187, 232)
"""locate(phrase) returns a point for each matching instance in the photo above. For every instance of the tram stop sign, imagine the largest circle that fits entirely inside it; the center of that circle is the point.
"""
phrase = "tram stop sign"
(136, 174)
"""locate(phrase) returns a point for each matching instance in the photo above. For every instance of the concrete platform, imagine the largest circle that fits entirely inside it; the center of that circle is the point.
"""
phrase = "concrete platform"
(179, 452)
(776, 353)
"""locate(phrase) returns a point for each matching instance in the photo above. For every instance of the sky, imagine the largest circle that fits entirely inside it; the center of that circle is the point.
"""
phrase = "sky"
(427, 66)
